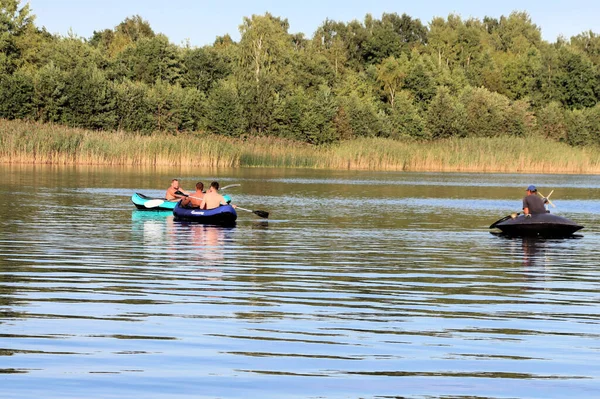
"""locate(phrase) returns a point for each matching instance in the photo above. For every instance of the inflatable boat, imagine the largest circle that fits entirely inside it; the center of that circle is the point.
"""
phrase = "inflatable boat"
(225, 215)
(540, 225)
(142, 201)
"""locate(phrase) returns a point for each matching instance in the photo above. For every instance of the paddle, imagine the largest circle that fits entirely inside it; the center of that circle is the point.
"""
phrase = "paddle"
(262, 214)
(153, 203)
(231, 185)
(548, 198)
(505, 218)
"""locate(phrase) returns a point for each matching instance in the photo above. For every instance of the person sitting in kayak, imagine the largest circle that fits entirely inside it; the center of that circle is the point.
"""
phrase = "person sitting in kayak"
(533, 204)
(212, 198)
(194, 200)
(171, 191)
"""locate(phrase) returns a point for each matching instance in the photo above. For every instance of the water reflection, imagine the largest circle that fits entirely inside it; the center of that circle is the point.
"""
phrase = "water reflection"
(413, 299)
(152, 225)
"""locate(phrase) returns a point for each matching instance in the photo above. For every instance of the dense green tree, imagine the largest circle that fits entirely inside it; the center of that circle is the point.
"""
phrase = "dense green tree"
(391, 73)
(134, 112)
(15, 21)
(150, 60)
(515, 33)
(391, 36)
(89, 100)
(265, 59)
(486, 112)
(204, 67)
(551, 122)
(589, 43)
(446, 116)
(225, 110)
(420, 79)
(130, 31)
(308, 118)
(404, 119)
(16, 95)
(362, 115)
(49, 99)
(577, 82)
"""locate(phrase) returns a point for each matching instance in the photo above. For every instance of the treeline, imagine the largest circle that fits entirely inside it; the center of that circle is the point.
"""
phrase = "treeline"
(392, 77)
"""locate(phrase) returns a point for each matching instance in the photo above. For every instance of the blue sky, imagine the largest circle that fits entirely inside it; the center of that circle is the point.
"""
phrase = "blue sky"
(202, 21)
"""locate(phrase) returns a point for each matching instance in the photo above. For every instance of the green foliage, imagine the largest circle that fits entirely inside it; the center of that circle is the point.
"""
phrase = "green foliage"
(583, 126)
(225, 110)
(89, 100)
(486, 112)
(551, 122)
(134, 112)
(391, 36)
(150, 60)
(389, 77)
(306, 118)
(446, 116)
(404, 119)
(362, 115)
(203, 67)
(130, 31)
(50, 99)
(391, 73)
(172, 107)
(577, 82)
(14, 22)
(16, 95)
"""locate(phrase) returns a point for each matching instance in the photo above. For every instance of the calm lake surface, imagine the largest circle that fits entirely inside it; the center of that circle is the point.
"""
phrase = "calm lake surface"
(359, 285)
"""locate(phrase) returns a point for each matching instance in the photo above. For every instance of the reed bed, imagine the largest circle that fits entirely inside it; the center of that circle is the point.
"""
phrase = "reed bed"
(34, 143)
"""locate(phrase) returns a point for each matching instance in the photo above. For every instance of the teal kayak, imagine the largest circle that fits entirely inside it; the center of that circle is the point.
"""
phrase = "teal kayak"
(142, 201)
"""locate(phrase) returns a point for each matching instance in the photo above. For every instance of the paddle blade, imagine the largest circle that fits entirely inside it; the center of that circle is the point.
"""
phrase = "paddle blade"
(153, 203)
(262, 214)
(229, 186)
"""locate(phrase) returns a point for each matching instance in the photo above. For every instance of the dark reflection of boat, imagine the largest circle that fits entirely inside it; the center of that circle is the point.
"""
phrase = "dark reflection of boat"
(541, 225)
(534, 251)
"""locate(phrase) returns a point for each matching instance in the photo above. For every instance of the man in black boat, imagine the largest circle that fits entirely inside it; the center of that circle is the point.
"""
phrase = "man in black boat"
(532, 203)
(195, 199)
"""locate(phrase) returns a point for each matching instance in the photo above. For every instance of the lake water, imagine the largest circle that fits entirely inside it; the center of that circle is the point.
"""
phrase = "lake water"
(358, 285)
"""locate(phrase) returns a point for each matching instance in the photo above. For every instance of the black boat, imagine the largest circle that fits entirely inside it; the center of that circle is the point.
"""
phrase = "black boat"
(540, 225)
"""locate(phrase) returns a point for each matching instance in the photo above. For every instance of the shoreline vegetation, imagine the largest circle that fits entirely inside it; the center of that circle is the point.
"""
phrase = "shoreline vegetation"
(49, 144)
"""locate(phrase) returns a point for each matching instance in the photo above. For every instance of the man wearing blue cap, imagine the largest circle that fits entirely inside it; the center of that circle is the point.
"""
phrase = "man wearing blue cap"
(532, 203)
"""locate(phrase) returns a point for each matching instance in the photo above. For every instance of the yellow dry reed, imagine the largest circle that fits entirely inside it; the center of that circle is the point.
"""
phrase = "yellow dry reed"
(34, 143)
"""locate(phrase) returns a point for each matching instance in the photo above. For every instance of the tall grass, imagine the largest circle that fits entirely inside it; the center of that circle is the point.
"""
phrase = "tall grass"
(27, 142)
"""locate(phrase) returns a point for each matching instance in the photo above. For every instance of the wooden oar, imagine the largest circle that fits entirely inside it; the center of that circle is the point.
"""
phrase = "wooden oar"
(505, 218)
(548, 198)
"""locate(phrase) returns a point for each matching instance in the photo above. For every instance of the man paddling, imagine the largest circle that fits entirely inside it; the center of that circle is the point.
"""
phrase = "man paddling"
(195, 199)
(533, 204)
(212, 199)
(171, 191)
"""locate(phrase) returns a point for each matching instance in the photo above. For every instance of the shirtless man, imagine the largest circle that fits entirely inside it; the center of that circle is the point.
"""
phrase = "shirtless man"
(170, 195)
(195, 198)
(212, 198)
